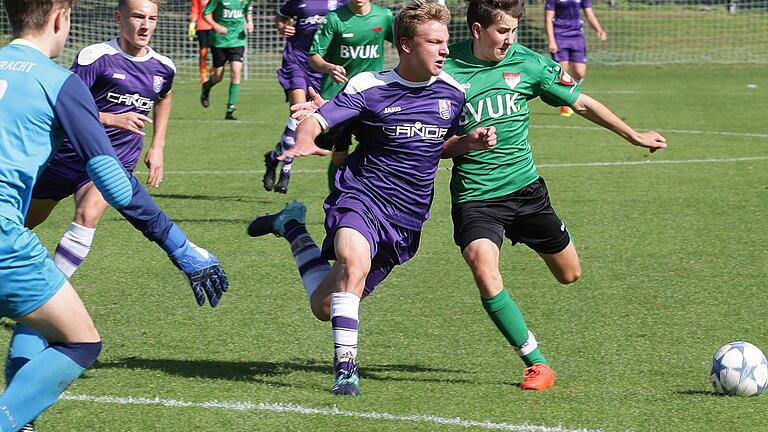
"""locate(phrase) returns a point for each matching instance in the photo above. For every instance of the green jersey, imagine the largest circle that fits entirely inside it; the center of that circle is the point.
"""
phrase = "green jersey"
(353, 41)
(230, 14)
(497, 94)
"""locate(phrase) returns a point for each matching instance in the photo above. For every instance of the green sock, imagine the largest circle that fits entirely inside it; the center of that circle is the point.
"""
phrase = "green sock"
(234, 93)
(331, 175)
(509, 320)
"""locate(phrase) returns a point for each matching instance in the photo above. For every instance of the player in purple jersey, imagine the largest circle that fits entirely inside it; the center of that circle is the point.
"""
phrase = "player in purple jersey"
(128, 80)
(405, 120)
(297, 21)
(565, 36)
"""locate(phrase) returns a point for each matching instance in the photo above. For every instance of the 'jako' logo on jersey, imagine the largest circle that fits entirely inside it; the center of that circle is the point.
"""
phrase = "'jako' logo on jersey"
(3, 88)
(360, 52)
(428, 132)
(490, 107)
(313, 20)
(135, 100)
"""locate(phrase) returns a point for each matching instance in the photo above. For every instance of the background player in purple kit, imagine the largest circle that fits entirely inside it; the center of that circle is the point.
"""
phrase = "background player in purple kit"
(128, 80)
(565, 36)
(405, 120)
(297, 21)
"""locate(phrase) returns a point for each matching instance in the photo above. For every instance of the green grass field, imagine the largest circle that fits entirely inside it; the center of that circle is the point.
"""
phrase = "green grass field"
(673, 247)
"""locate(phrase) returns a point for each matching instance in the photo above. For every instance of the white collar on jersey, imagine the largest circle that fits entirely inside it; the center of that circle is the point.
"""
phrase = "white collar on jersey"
(407, 83)
(24, 42)
(150, 52)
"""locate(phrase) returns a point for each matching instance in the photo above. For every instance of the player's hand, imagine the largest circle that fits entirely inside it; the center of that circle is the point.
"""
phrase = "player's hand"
(651, 140)
(249, 26)
(338, 73)
(303, 148)
(482, 138)
(302, 110)
(220, 29)
(206, 276)
(154, 162)
(602, 35)
(130, 121)
(191, 31)
(552, 47)
(288, 30)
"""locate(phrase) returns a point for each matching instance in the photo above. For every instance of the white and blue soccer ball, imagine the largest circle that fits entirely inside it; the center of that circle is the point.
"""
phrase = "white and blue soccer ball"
(739, 368)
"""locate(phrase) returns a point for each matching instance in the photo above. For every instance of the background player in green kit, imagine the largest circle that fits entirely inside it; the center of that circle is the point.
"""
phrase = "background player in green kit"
(498, 192)
(349, 42)
(230, 20)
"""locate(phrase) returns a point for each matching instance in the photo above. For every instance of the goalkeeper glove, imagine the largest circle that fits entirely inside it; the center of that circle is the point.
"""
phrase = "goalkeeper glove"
(202, 269)
(191, 31)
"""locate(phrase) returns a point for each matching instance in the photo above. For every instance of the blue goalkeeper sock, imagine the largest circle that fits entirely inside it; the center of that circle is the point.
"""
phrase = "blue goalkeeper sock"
(25, 345)
(39, 383)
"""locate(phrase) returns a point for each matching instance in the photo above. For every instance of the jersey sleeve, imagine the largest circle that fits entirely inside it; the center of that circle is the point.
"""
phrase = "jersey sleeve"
(76, 113)
(210, 7)
(194, 12)
(550, 5)
(389, 36)
(168, 84)
(557, 87)
(247, 9)
(324, 36)
(288, 9)
(586, 4)
(345, 106)
(87, 73)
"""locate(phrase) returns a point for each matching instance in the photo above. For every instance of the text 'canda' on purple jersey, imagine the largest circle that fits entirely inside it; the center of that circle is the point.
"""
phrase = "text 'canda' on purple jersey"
(122, 83)
(401, 127)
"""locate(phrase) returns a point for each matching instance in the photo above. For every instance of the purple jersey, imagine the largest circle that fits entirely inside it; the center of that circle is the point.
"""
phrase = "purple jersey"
(122, 83)
(567, 22)
(307, 16)
(401, 127)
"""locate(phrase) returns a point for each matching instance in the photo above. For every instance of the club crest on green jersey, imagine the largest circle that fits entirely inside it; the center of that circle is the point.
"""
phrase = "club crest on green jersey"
(512, 79)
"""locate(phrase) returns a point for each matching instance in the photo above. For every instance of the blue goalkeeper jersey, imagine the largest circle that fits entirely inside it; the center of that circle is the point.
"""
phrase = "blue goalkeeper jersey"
(40, 103)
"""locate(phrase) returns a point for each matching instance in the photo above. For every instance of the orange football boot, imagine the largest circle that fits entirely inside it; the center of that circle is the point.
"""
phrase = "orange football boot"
(538, 377)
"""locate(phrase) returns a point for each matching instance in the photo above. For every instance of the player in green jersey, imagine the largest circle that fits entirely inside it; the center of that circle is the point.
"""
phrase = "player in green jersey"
(349, 42)
(230, 20)
(498, 192)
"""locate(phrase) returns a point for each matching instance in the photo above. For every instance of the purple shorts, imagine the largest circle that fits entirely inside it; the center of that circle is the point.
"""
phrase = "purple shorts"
(66, 173)
(390, 244)
(295, 76)
(572, 50)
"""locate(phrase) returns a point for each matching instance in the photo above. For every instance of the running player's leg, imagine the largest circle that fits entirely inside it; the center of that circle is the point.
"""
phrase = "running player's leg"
(217, 74)
(76, 242)
(236, 70)
(38, 296)
(203, 37)
(38, 212)
(564, 265)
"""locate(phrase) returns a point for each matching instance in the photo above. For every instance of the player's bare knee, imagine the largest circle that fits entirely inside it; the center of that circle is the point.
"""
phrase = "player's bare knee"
(569, 277)
(87, 217)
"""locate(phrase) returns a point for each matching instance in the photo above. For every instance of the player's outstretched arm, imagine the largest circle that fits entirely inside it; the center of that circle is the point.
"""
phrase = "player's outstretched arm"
(596, 112)
(155, 154)
(77, 114)
(482, 138)
(285, 26)
(129, 121)
(306, 133)
(336, 72)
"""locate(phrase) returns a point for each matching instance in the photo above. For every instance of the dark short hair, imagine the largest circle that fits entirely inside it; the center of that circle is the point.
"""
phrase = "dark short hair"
(415, 13)
(30, 16)
(487, 12)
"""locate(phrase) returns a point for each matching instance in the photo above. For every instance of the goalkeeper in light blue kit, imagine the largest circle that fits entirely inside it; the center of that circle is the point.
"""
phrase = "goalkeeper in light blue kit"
(40, 103)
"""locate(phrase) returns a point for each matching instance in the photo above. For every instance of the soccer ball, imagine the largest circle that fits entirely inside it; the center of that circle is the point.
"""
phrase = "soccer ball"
(739, 368)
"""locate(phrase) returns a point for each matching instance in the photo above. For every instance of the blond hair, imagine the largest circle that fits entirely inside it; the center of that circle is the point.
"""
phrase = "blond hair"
(415, 13)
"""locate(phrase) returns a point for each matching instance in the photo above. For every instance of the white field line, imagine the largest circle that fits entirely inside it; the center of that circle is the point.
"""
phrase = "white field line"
(680, 131)
(448, 167)
(299, 409)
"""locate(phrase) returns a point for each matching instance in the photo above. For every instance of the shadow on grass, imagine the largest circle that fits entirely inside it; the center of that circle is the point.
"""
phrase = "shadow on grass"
(261, 371)
(698, 393)
(231, 198)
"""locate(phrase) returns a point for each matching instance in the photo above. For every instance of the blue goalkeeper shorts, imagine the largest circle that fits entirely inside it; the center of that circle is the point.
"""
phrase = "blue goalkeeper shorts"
(28, 276)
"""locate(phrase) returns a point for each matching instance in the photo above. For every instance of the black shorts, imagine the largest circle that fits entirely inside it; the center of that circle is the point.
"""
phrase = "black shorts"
(524, 216)
(338, 138)
(223, 55)
(202, 38)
